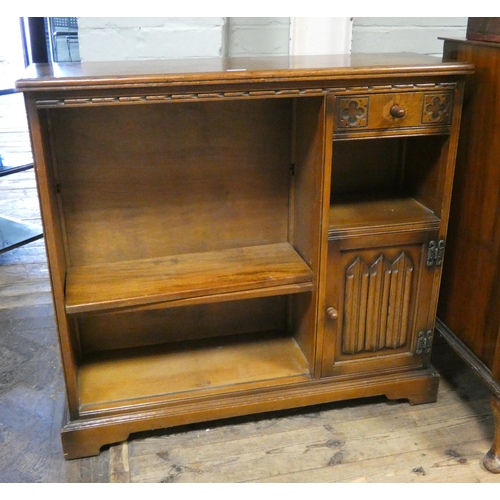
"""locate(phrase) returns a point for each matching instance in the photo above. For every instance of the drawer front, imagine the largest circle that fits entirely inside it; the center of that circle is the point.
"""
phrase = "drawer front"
(392, 111)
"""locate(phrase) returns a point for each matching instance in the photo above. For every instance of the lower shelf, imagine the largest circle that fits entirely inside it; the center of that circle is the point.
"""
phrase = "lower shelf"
(116, 380)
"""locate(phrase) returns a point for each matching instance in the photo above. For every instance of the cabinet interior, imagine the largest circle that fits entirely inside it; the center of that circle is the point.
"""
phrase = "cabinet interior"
(387, 181)
(182, 235)
(120, 198)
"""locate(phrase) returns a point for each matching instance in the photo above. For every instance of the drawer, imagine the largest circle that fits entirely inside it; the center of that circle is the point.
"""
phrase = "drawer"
(392, 111)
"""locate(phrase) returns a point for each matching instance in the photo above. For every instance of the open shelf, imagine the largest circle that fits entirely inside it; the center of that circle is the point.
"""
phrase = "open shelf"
(387, 184)
(354, 213)
(202, 367)
(158, 280)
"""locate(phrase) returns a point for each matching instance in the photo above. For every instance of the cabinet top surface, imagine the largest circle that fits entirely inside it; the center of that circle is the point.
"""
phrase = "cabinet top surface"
(39, 77)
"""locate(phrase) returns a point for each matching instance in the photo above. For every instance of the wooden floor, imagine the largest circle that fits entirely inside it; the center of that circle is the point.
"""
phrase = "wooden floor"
(362, 441)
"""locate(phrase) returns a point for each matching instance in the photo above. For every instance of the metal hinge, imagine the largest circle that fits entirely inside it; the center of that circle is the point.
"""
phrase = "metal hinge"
(435, 253)
(424, 342)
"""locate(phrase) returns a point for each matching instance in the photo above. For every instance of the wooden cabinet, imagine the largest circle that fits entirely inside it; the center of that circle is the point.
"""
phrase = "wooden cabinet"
(235, 236)
(469, 303)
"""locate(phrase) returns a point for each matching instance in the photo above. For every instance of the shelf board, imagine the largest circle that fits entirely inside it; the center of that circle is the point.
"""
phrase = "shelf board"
(177, 371)
(119, 285)
(375, 213)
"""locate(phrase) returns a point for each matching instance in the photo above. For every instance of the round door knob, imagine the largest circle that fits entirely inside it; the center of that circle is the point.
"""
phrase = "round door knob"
(397, 111)
(332, 313)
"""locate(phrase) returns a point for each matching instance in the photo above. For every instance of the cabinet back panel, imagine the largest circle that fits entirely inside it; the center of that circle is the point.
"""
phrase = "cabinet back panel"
(117, 331)
(134, 178)
(425, 157)
(362, 166)
(391, 167)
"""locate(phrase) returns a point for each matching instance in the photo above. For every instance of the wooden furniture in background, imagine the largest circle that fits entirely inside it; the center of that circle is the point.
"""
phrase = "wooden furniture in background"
(469, 305)
(483, 29)
(235, 236)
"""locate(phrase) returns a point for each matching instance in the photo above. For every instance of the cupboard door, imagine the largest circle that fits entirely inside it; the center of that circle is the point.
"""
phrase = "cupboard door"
(379, 301)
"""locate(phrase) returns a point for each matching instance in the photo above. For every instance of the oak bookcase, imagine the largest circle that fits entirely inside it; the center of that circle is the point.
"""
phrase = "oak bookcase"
(234, 236)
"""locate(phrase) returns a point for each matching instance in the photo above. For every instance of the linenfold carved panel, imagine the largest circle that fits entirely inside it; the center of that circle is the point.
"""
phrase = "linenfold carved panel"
(377, 304)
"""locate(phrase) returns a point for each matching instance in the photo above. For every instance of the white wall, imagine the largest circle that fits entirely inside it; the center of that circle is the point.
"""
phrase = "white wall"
(111, 39)
(320, 35)
(115, 38)
(129, 38)
(257, 36)
(405, 34)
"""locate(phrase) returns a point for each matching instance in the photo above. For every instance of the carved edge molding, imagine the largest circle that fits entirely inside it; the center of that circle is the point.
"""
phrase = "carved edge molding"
(194, 96)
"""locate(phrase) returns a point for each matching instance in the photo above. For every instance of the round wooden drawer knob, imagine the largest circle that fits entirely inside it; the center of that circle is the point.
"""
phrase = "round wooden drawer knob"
(397, 111)
(332, 313)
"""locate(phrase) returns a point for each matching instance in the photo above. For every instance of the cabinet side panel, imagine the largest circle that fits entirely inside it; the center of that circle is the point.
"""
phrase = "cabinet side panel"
(425, 169)
(39, 124)
(312, 157)
(469, 300)
(308, 178)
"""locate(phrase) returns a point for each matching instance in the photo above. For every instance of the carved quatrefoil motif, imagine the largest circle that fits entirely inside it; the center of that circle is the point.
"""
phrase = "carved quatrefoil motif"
(353, 112)
(436, 108)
